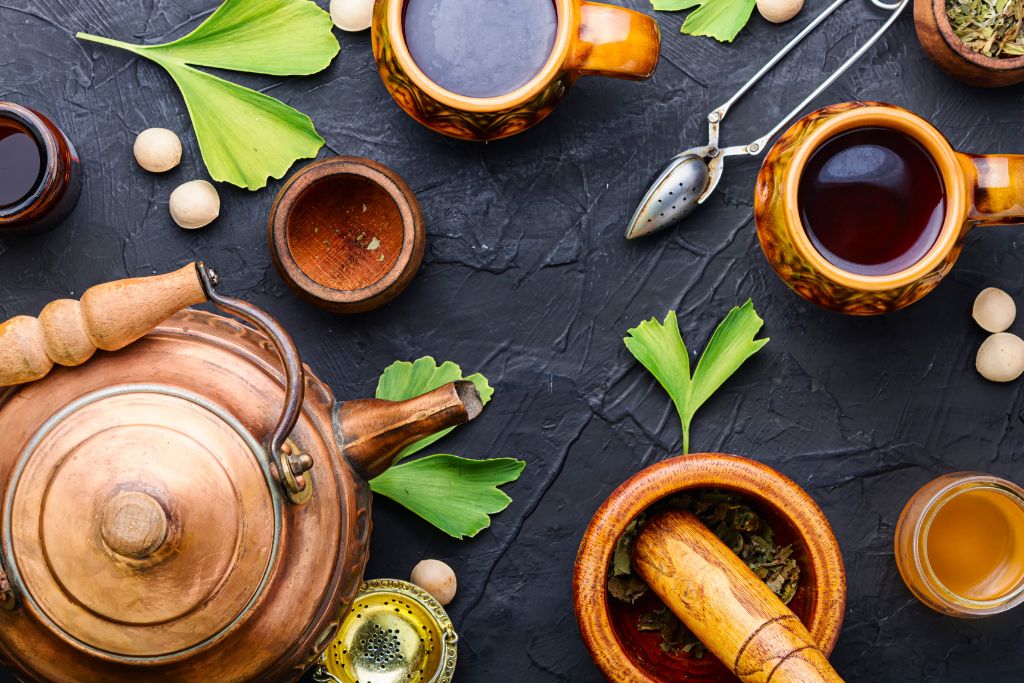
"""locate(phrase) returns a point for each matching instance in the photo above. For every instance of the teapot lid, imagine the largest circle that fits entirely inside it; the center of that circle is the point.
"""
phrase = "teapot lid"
(142, 522)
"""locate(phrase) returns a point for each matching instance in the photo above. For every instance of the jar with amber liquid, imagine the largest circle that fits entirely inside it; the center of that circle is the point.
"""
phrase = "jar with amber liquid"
(40, 173)
(960, 544)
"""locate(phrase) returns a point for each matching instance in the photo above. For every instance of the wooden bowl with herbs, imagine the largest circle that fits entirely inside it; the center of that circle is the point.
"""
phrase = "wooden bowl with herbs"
(980, 42)
(631, 635)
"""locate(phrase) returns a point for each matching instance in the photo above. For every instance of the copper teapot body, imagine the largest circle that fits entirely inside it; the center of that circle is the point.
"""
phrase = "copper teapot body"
(148, 533)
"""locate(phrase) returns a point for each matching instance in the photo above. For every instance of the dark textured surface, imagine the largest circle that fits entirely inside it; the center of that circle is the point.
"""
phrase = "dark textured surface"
(528, 278)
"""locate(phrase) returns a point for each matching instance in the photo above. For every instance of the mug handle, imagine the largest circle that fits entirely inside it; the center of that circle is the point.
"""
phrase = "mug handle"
(996, 182)
(616, 42)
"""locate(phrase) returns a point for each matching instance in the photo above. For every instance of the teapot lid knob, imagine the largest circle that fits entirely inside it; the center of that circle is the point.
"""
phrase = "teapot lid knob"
(133, 524)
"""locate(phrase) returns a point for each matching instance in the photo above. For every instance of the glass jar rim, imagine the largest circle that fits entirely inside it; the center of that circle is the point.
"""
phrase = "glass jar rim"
(47, 144)
(938, 500)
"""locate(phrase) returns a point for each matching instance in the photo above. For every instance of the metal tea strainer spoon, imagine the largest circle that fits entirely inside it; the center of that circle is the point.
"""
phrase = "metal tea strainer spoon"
(691, 176)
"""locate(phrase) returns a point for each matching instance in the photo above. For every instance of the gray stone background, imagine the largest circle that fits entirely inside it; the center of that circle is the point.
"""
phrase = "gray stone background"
(528, 279)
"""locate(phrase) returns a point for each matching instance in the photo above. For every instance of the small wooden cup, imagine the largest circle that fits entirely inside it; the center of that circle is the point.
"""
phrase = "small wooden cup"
(347, 234)
(626, 655)
(946, 49)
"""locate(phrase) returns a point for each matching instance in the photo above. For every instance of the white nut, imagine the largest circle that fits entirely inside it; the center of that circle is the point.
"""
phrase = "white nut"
(352, 15)
(437, 578)
(157, 150)
(994, 310)
(194, 204)
(778, 11)
(1001, 357)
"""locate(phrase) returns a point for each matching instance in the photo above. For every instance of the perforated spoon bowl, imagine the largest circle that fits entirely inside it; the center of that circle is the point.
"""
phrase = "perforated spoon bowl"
(691, 176)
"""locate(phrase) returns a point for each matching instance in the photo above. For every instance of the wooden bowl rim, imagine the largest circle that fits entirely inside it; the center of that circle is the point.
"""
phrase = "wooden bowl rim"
(413, 231)
(700, 470)
(958, 46)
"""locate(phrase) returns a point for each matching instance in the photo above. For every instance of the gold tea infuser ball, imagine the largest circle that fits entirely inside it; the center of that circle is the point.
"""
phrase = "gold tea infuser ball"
(1001, 357)
(394, 632)
(994, 310)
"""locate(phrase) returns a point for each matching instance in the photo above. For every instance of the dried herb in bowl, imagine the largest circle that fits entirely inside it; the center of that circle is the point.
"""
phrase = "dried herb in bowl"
(738, 526)
(989, 27)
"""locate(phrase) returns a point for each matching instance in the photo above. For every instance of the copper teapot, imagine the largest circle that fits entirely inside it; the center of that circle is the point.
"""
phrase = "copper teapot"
(164, 519)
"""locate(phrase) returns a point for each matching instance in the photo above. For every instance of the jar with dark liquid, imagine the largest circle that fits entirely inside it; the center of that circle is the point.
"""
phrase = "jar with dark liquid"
(40, 173)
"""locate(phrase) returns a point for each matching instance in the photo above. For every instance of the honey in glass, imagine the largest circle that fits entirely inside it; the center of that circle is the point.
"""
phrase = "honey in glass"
(960, 544)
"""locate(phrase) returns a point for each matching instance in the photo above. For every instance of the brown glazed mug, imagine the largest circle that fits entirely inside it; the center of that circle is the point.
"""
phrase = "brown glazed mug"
(590, 39)
(979, 190)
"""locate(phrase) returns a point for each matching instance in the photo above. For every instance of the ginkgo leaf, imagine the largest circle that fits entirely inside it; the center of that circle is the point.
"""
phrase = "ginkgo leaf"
(718, 19)
(457, 495)
(245, 136)
(402, 380)
(659, 347)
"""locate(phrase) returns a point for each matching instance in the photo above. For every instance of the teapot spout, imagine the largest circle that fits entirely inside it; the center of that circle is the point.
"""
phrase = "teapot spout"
(372, 431)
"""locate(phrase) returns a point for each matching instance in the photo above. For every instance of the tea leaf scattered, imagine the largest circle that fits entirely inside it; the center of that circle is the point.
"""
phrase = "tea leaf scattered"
(246, 136)
(660, 348)
(457, 495)
(718, 19)
(989, 27)
(738, 526)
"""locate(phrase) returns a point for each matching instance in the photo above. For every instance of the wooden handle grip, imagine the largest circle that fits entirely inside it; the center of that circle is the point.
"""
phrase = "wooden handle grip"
(726, 606)
(108, 317)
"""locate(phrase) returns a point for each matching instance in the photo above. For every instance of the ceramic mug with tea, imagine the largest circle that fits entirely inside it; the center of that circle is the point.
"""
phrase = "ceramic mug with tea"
(863, 207)
(483, 71)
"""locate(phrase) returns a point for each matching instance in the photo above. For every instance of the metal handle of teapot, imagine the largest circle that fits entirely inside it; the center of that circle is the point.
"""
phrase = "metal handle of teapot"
(288, 463)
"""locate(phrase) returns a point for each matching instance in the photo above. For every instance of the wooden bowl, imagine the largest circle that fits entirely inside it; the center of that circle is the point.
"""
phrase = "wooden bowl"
(950, 53)
(627, 655)
(347, 234)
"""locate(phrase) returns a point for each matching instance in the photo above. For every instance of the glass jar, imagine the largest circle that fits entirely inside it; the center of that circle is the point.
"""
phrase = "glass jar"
(952, 529)
(59, 180)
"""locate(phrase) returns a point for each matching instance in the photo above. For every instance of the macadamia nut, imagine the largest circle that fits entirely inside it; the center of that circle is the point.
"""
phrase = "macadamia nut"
(778, 11)
(157, 150)
(436, 578)
(352, 15)
(1001, 357)
(994, 310)
(194, 204)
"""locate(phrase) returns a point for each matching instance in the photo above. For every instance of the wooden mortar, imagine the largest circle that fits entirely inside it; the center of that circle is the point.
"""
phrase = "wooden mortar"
(608, 626)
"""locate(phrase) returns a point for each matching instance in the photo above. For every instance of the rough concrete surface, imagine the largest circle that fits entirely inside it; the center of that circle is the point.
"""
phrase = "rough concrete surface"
(528, 279)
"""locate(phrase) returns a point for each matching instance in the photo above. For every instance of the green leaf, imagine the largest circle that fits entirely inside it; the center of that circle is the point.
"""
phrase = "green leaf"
(659, 347)
(730, 346)
(673, 5)
(718, 19)
(245, 136)
(403, 380)
(456, 495)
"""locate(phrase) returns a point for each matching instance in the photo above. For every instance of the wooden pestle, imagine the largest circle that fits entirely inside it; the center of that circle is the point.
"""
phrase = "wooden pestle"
(726, 606)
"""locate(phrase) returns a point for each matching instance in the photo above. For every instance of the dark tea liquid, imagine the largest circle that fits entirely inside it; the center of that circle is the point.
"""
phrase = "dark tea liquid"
(872, 201)
(21, 163)
(480, 49)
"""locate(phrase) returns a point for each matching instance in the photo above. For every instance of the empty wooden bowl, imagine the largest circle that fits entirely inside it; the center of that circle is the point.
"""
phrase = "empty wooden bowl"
(347, 234)
(946, 49)
(609, 626)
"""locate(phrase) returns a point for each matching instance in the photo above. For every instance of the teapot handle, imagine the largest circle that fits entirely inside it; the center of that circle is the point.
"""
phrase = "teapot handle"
(111, 316)
(108, 317)
(288, 463)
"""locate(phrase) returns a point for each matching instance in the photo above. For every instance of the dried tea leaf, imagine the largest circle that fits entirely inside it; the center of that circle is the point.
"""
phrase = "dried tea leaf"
(622, 560)
(627, 588)
(990, 27)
